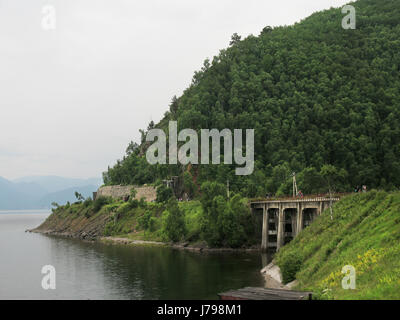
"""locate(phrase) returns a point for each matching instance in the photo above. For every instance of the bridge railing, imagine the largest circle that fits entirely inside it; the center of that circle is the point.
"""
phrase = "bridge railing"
(305, 197)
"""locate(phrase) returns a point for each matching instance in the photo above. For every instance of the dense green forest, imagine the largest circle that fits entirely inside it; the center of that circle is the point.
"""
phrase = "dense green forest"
(320, 98)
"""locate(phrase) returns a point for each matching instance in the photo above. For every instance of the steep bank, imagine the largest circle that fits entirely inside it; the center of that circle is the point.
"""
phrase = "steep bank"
(132, 223)
(364, 233)
(106, 217)
(72, 222)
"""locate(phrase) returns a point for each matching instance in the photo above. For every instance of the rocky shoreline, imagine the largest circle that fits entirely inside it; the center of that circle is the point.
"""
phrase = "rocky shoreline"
(66, 234)
(126, 241)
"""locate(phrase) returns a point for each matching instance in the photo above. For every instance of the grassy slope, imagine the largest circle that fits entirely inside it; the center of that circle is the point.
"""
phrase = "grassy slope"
(76, 220)
(364, 233)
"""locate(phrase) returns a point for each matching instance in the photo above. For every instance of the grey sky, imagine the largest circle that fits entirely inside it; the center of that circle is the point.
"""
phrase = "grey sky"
(72, 98)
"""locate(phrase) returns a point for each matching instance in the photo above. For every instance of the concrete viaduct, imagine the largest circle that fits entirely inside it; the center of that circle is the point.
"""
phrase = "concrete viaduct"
(284, 218)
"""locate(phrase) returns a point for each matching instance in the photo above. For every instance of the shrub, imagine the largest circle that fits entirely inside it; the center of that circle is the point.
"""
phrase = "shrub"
(88, 213)
(233, 221)
(193, 213)
(100, 202)
(133, 203)
(133, 193)
(290, 264)
(88, 202)
(188, 185)
(142, 203)
(174, 224)
(152, 224)
(144, 220)
(224, 222)
(108, 230)
(164, 193)
(123, 209)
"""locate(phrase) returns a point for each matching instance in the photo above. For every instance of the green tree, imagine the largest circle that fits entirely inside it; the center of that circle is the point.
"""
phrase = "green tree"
(164, 193)
(144, 220)
(235, 39)
(233, 223)
(133, 193)
(310, 181)
(78, 196)
(173, 107)
(333, 177)
(174, 224)
(213, 201)
(188, 184)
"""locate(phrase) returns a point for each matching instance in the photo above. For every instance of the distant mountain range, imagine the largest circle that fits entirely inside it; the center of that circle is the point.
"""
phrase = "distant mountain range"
(38, 192)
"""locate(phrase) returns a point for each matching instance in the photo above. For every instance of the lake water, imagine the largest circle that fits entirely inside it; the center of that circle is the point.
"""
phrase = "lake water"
(90, 270)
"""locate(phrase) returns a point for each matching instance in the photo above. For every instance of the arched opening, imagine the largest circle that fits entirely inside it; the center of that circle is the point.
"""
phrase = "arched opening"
(273, 216)
(309, 215)
(258, 222)
(289, 225)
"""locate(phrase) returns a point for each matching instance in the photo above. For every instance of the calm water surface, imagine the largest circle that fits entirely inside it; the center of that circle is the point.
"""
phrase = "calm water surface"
(86, 270)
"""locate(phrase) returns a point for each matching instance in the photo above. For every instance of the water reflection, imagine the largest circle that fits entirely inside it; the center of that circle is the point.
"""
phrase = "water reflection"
(87, 270)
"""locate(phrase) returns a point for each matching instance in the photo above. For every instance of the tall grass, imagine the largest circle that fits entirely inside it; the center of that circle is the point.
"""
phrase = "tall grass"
(364, 233)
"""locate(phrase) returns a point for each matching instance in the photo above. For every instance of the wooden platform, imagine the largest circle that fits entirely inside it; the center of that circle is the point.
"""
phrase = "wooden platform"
(250, 293)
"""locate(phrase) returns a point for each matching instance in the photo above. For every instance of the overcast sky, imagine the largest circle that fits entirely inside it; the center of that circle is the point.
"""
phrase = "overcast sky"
(72, 98)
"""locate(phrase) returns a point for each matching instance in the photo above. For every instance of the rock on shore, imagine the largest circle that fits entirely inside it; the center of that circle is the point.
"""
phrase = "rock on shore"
(273, 278)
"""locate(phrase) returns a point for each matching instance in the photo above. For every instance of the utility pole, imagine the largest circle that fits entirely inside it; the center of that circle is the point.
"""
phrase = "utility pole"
(330, 202)
(294, 185)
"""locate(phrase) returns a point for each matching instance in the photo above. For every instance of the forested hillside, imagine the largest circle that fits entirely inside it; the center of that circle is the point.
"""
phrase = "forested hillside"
(315, 94)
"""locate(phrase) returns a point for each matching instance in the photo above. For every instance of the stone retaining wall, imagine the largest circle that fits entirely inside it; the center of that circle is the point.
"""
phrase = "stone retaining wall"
(147, 192)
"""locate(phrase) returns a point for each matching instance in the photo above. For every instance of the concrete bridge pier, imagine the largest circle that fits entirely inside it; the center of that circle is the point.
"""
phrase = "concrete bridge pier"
(270, 227)
(264, 241)
(299, 218)
(280, 239)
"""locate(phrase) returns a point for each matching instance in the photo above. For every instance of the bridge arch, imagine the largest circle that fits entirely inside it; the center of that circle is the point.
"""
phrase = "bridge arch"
(289, 224)
(309, 214)
(273, 223)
